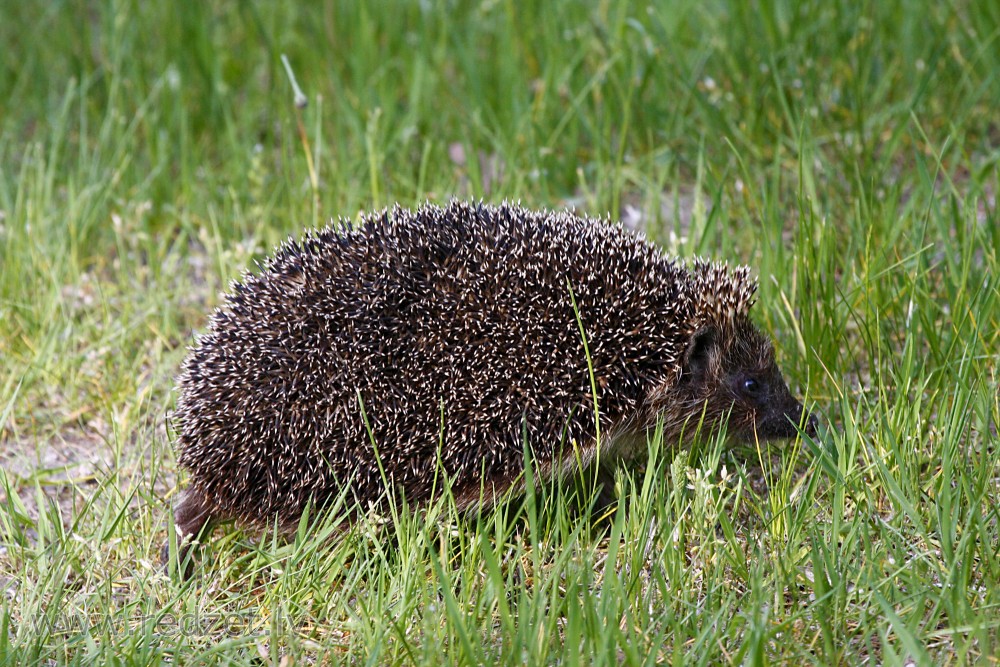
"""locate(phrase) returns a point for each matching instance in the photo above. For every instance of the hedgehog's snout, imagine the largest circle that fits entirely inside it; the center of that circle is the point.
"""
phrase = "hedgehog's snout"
(774, 412)
(797, 417)
(785, 420)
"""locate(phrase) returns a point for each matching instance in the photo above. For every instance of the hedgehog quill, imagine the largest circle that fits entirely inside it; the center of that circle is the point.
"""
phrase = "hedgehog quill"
(448, 338)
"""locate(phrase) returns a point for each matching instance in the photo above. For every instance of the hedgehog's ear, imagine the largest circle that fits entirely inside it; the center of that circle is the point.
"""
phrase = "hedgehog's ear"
(702, 352)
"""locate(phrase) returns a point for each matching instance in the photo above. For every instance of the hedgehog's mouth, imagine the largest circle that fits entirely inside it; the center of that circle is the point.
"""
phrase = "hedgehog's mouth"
(784, 424)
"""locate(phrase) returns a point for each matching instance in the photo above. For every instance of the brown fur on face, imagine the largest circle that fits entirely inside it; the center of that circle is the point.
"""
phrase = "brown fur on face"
(729, 377)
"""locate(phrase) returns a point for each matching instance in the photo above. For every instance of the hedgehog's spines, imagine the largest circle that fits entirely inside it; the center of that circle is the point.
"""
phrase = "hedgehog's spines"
(720, 294)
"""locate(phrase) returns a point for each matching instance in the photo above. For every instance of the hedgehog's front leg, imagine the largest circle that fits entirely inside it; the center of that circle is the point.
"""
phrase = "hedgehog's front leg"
(193, 517)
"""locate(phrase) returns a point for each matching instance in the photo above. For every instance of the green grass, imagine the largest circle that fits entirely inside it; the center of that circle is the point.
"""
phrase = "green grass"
(149, 152)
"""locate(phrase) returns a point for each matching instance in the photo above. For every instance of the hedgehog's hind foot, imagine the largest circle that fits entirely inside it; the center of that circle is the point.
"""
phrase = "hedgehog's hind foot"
(194, 518)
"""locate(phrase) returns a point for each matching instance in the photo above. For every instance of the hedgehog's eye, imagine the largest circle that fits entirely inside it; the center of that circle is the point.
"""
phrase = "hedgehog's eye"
(751, 386)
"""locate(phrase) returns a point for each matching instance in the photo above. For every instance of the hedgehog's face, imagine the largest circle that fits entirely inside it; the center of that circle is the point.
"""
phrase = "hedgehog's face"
(731, 377)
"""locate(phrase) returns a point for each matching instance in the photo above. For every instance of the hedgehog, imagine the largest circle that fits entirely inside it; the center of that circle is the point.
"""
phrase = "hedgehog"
(373, 358)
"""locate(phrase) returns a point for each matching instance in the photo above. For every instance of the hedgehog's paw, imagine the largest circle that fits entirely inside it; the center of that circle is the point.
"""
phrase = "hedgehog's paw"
(193, 519)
